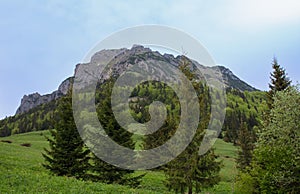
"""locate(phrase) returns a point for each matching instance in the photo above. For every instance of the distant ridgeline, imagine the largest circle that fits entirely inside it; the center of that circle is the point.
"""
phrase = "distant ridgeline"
(244, 103)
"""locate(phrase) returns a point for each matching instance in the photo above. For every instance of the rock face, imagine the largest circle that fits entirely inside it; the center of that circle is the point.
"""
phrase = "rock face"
(32, 100)
(117, 61)
(233, 81)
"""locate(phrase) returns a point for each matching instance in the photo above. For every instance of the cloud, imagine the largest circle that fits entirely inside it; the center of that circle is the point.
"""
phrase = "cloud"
(261, 13)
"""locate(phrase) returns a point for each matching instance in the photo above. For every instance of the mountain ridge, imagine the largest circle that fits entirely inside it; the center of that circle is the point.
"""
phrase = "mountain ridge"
(122, 58)
(35, 99)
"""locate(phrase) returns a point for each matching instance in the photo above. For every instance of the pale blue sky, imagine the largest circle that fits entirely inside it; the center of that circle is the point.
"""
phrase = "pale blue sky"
(42, 41)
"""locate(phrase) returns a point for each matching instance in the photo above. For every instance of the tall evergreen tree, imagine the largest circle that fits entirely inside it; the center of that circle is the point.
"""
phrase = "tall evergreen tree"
(246, 142)
(279, 81)
(103, 171)
(67, 155)
(190, 171)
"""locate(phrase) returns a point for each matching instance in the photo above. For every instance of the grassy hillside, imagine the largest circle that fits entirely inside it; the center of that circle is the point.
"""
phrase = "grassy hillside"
(246, 106)
(21, 171)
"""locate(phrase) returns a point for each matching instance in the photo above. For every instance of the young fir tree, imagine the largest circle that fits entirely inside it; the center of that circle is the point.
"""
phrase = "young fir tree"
(279, 82)
(246, 141)
(67, 155)
(190, 171)
(103, 171)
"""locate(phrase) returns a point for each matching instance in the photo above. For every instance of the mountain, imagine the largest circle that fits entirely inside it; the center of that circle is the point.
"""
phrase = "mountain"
(33, 100)
(119, 60)
(38, 112)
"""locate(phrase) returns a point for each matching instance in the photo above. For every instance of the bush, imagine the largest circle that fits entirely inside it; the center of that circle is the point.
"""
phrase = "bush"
(244, 184)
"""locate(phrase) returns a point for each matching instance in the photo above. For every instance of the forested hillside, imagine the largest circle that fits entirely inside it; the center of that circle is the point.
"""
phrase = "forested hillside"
(246, 106)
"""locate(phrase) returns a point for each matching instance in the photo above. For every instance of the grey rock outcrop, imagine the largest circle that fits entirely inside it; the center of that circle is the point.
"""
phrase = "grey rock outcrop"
(117, 61)
(33, 100)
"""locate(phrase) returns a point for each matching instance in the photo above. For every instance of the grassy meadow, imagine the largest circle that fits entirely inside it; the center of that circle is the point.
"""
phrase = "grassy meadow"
(21, 171)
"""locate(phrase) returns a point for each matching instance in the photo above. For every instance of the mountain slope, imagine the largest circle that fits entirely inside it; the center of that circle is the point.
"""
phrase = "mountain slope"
(37, 112)
(21, 171)
(121, 59)
(31, 101)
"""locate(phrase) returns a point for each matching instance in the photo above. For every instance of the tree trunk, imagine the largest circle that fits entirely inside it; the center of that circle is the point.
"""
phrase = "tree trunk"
(190, 191)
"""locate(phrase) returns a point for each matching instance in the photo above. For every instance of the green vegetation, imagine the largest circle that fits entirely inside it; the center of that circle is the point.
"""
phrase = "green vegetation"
(21, 171)
(258, 150)
(243, 107)
(279, 82)
(103, 171)
(196, 173)
(67, 155)
(246, 141)
(246, 106)
(38, 118)
(190, 171)
(275, 166)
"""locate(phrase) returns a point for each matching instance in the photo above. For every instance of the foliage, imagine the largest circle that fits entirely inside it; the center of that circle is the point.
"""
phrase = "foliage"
(38, 118)
(246, 142)
(279, 82)
(103, 171)
(275, 167)
(67, 155)
(189, 170)
(242, 107)
(246, 106)
(244, 184)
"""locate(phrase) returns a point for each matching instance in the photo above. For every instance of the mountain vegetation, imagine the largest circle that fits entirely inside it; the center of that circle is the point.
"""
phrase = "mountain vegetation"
(101, 170)
(189, 171)
(258, 144)
(240, 105)
(279, 82)
(67, 155)
(275, 165)
(21, 171)
(36, 119)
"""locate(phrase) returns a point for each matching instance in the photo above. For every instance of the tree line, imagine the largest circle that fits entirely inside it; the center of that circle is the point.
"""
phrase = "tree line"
(68, 156)
(269, 163)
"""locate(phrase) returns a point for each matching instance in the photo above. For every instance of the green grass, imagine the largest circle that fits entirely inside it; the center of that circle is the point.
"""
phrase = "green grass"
(21, 171)
(228, 154)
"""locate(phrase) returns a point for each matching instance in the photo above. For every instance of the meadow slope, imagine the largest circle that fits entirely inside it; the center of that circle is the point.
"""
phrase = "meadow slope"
(21, 171)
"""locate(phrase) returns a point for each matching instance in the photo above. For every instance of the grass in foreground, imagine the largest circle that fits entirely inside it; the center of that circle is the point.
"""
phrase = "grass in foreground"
(21, 171)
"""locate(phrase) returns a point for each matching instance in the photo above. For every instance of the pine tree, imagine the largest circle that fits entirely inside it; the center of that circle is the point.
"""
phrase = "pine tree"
(192, 171)
(67, 155)
(189, 170)
(103, 171)
(246, 142)
(279, 82)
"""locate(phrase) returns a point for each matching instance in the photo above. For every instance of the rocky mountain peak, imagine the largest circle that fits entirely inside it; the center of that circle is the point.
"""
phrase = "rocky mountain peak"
(33, 100)
(117, 60)
(233, 81)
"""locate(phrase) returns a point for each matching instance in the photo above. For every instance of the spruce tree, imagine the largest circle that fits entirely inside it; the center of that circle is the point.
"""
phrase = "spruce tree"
(103, 171)
(67, 155)
(246, 141)
(190, 171)
(279, 82)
